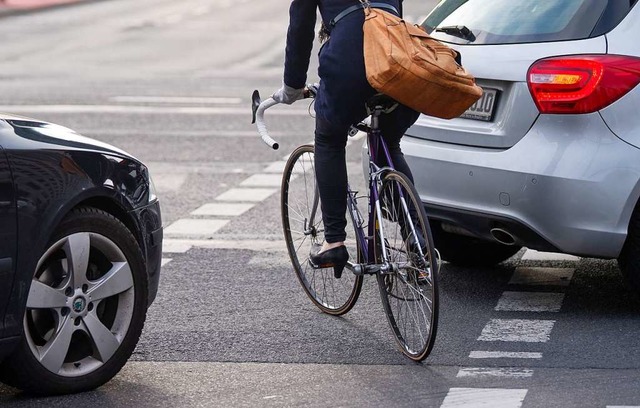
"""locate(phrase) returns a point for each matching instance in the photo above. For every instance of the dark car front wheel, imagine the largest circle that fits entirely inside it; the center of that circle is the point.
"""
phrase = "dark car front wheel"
(85, 309)
(462, 250)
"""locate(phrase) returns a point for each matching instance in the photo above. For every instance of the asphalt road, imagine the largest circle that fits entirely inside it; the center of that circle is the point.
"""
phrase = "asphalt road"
(170, 82)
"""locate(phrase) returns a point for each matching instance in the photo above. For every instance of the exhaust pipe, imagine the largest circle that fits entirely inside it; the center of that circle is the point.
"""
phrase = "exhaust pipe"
(503, 236)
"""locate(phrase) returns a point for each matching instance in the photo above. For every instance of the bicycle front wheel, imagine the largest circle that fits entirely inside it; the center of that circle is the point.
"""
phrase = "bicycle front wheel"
(408, 287)
(303, 227)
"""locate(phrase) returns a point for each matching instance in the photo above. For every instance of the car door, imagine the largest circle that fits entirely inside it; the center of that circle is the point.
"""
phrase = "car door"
(7, 234)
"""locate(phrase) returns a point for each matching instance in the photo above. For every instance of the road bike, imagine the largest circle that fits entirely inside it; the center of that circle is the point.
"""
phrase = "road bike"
(393, 242)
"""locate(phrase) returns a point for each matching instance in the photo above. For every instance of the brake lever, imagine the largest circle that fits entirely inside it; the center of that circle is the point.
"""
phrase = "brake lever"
(255, 103)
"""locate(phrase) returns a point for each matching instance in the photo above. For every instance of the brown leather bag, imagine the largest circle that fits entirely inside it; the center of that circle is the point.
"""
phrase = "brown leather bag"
(405, 63)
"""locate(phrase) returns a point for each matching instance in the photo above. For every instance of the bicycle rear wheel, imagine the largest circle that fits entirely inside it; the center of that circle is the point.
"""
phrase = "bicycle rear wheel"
(409, 290)
(303, 227)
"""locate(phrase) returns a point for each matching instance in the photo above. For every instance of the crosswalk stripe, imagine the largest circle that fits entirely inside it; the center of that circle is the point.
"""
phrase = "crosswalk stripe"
(195, 227)
(246, 194)
(484, 397)
(173, 245)
(505, 354)
(517, 330)
(530, 302)
(495, 372)
(223, 209)
(542, 276)
(533, 255)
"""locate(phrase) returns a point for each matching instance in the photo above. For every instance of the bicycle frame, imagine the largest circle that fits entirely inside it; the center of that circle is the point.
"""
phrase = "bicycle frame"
(375, 144)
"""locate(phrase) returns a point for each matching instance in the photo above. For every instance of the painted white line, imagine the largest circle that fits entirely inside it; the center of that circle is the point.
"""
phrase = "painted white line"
(530, 302)
(521, 330)
(147, 110)
(172, 247)
(495, 372)
(484, 397)
(168, 182)
(194, 227)
(505, 354)
(177, 100)
(223, 209)
(254, 245)
(276, 167)
(623, 406)
(246, 194)
(165, 261)
(542, 276)
(263, 180)
(532, 255)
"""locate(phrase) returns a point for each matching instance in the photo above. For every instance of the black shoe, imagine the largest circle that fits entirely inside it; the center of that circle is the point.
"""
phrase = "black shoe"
(335, 257)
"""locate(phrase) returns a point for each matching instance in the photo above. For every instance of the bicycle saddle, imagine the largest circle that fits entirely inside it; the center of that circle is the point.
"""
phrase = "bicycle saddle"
(382, 101)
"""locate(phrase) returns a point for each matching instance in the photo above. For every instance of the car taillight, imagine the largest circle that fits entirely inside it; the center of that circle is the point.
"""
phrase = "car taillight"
(581, 83)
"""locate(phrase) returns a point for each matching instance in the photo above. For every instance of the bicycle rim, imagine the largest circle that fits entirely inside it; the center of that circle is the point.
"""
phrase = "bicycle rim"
(303, 227)
(409, 292)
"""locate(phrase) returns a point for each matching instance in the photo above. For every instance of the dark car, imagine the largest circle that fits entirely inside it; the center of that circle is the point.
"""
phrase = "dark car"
(80, 256)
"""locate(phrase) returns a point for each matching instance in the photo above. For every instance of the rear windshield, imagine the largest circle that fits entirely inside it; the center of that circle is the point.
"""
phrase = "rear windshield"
(523, 21)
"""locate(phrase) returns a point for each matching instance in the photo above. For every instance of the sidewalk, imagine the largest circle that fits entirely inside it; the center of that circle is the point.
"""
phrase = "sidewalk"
(18, 6)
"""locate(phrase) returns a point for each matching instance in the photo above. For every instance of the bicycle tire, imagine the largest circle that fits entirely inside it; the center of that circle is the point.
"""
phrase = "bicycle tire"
(298, 195)
(409, 292)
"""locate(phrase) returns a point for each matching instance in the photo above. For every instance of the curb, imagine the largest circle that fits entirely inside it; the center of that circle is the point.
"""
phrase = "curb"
(18, 7)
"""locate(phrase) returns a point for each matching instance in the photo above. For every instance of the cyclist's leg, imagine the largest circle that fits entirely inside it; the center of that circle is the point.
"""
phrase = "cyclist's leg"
(393, 126)
(331, 175)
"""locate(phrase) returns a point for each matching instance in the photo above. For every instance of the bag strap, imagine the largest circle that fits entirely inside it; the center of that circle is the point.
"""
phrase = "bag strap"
(360, 6)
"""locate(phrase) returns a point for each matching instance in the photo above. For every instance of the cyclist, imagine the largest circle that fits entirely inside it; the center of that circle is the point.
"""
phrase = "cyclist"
(340, 102)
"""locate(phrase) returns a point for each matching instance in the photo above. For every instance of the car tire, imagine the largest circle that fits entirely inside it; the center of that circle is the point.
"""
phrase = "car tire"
(462, 250)
(85, 309)
(629, 259)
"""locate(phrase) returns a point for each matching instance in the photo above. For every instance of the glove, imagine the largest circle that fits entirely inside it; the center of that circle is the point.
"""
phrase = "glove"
(287, 95)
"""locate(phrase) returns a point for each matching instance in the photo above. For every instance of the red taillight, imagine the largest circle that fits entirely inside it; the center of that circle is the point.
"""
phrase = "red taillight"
(582, 83)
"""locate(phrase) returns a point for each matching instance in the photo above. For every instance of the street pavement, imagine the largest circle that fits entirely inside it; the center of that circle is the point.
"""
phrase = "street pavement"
(170, 82)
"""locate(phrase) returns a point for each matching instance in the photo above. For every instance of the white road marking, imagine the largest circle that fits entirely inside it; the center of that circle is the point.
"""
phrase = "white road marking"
(177, 100)
(532, 255)
(530, 302)
(520, 330)
(246, 194)
(542, 276)
(195, 227)
(505, 354)
(223, 209)
(165, 182)
(254, 245)
(495, 372)
(165, 261)
(174, 247)
(484, 397)
(623, 406)
(147, 110)
(263, 180)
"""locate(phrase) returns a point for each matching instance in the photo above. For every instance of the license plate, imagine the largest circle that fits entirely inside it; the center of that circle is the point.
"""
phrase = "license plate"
(484, 107)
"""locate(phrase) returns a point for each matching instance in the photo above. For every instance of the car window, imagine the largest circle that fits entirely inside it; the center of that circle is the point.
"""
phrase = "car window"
(520, 21)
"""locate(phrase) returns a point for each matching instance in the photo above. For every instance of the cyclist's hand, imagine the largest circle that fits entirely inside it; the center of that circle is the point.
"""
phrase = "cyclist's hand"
(287, 95)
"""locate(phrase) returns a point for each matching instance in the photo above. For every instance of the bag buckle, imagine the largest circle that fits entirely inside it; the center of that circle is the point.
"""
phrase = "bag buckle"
(366, 5)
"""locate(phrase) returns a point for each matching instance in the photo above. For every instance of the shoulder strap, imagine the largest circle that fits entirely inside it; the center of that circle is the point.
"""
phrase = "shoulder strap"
(360, 6)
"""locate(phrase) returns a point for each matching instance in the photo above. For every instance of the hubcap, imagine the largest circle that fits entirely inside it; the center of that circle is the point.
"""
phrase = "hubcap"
(80, 304)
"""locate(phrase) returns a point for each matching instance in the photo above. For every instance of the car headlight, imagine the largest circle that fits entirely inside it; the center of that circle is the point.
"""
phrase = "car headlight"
(152, 190)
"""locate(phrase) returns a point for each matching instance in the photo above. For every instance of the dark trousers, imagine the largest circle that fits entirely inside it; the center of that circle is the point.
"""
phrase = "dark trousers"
(331, 166)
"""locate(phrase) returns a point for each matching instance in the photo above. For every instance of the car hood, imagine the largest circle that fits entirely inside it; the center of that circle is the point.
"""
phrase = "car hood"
(50, 136)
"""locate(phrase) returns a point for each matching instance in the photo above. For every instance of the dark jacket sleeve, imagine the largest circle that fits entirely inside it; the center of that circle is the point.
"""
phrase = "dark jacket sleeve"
(302, 23)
